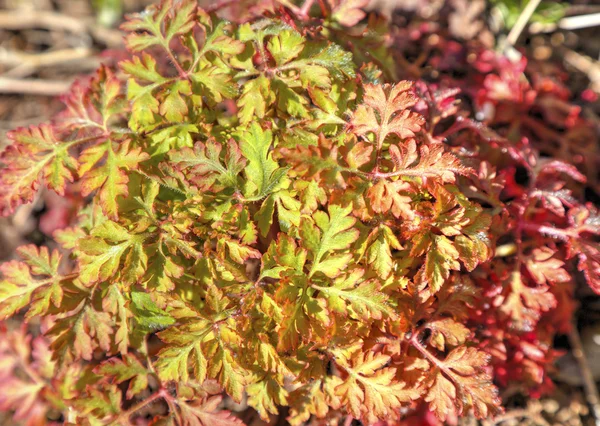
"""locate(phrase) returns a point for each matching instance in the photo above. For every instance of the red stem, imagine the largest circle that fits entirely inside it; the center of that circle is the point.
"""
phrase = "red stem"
(562, 234)
(181, 71)
(439, 364)
(220, 5)
(161, 393)
(305, 9)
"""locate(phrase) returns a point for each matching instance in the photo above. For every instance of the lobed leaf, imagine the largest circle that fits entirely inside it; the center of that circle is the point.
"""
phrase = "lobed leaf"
(386, 110)
(371, 390)
(460, 383)
(324, 234)
(36, 155)
(34, 282)
(262, 172)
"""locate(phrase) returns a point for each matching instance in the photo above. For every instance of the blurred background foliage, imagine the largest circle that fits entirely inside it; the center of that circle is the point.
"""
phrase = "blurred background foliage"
(108, 12)
(547, 12)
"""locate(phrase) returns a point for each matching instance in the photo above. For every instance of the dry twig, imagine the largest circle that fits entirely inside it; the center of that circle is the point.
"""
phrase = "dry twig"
(19, 20)
(26, 63)
(517, 29)
(33, 86)
(591, 391)
(516, 414)
(585, 64)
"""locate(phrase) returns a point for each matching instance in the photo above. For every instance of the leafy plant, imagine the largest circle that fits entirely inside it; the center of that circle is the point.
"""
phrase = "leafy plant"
(545, 13)
(108, 12)
(272, 214)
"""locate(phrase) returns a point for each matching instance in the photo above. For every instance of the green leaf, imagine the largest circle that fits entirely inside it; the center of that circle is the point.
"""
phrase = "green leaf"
(288, 212)
(33, 282)
(255, 99)
(289, 100)
(225, 368)
(101, 253)
(474, 245)
(114, 302)
(163, 271)
(143, 68)
(262, 172)
(147, 314)
(98, 404)
(266, 395)
(124, 369)
(219, 41)
(183, 351)
(144, 104)
(215, 84)
(285, 46)
(173, 138)
(159, 25)
(36, 154)
(332, 57)
(104, 170)
(204, 167)
(351, 295)
(441, 258)
(174, 107)
(78, 335)
(283, 254)
(324, 234)
(207, 350)
(379, 255)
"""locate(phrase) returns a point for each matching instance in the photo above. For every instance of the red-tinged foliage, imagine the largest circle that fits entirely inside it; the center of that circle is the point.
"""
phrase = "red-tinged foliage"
(274, 215)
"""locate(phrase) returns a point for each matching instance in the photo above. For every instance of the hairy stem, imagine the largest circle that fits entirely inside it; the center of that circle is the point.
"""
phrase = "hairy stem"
(125, 415)
(434, 360)
(558, 233)
(305, 9)
(181, 71)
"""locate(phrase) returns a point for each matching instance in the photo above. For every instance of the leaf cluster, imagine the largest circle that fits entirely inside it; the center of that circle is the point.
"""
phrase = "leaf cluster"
(273, 216)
